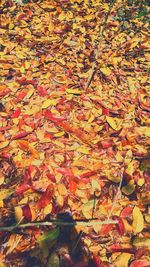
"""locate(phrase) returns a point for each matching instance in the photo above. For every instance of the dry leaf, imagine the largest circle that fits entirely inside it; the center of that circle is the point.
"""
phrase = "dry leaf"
(138, 220)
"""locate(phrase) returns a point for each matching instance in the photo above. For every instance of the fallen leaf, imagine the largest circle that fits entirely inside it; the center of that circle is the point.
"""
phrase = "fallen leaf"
(138, 220)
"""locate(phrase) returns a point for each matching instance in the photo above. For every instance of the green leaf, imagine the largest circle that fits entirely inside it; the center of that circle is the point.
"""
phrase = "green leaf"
(53, 260)
(47, 240)
(5, 193)
(145, 165)
(48, 237)
(129, 188)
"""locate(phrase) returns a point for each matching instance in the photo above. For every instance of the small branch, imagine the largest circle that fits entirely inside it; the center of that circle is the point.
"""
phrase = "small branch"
(58, 223)
(98, 41)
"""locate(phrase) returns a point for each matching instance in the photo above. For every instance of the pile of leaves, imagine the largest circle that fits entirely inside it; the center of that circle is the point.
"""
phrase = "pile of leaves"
(74, 133)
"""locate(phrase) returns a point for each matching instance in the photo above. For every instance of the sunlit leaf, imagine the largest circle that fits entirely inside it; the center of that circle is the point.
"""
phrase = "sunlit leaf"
(87, 209)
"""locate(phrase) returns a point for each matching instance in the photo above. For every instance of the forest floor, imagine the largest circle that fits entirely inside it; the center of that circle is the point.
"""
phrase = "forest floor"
(74, 133)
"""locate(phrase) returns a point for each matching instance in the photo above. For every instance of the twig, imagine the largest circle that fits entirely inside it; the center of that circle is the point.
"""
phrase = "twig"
(98, 41)
(78, 240)
(58, 223)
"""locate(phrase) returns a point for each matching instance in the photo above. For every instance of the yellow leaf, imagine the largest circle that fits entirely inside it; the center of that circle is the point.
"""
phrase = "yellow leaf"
(49, 102)
(134, 42)
(60, 201)
(74, 91)
(11, 26)
(29, 94)
(113, 122)
(13, 86)
(59, 134)
(130, 169)
(1, 204)
(48, 209)
(2, 180)
(27, 64)
(147, 131)
(22, 70)
(51, 27)
(138, 221)
(83, 150)
(141, 181)
(95, 184)
(62, 190)
(4, 193)
(122, 260)
(87, 209)
(131, 83)
(4, 144)
(106, 71)
(18, 213)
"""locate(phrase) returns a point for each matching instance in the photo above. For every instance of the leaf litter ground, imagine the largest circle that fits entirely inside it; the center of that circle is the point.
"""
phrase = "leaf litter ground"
(74, 133)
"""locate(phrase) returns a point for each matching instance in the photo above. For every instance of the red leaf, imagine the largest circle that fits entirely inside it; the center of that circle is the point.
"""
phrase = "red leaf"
(27, 176)
(46, 197)
(97, 261)
(73, 186)
(66, 172)
(5, 128)
(16, 113)
(23, 81)
(4, 92)
(120, 226)
(51, 117)
(88, 174)
(118, 248)
(27, 212)
(51, 177)
(20, 135)
(21, 16)
(21, 188)
(20, 96)
(126, 212)
(5, 155)
(106, 144)
(42, 91)
(9, 3)
(140, 263)
(141, 252)
(106, 229)
(105, 111)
